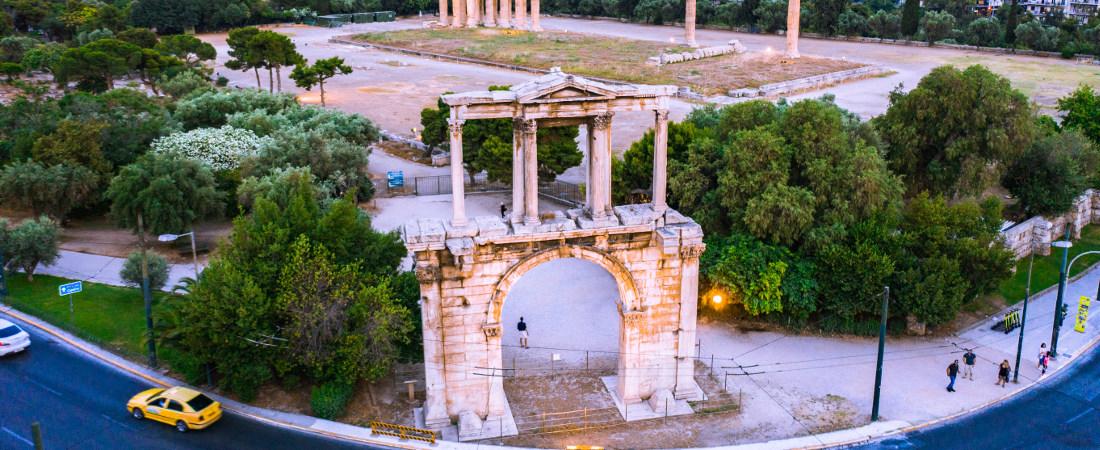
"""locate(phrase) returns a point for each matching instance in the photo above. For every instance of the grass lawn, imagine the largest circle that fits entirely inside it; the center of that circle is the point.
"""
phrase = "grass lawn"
(1045, 272)
(608, 57)
(109, 316)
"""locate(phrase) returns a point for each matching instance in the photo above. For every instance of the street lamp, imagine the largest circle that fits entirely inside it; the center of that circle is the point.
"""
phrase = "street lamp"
(1064, 245)
(1023, 321)
(1057, 317)
(194, 252)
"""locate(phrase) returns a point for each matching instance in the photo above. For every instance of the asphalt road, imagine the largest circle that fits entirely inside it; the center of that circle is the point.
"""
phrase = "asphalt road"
(1062, 413)
(80, 404)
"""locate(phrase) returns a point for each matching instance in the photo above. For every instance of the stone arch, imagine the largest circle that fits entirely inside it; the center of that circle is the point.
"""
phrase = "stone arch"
(628, 291)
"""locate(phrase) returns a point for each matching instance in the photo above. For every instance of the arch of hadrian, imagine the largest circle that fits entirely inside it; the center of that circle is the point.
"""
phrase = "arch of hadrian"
(466, 266)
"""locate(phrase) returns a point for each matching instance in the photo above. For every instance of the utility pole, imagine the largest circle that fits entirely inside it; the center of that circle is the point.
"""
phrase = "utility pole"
(881, 351)
(1061, 292)
(1023, 321)
(146, 294)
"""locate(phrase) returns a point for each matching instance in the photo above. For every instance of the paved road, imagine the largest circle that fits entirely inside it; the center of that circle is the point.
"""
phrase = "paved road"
(1062, 413)
(80, 404)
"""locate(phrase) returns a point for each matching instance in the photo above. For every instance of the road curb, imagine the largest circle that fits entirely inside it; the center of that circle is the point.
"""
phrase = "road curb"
(824, 440)
(165, 381)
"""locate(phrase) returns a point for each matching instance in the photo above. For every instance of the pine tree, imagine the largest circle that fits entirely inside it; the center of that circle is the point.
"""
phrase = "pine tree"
(1011, 22)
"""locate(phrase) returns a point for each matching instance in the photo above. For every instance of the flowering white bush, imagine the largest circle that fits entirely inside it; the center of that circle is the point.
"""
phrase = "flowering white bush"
(219, 148)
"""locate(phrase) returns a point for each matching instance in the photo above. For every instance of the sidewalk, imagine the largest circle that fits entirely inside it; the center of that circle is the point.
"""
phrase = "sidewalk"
(794, 380)
(105, 269)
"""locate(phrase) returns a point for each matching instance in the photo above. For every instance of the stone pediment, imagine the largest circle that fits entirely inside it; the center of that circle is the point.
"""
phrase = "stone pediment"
(558, 87)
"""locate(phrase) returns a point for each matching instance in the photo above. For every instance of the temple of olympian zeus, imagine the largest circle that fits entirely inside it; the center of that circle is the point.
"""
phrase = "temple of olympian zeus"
(466, 266)
(471, 13)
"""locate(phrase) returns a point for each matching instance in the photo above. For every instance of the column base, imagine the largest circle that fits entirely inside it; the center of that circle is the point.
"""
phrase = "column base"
(693, 44)
(689, 391)
(504, 24)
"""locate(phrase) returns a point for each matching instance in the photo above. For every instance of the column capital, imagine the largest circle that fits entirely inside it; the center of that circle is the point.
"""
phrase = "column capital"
(602, 121)
(692, 251)
(427, 274)
(528, 125)
(455, 125)
(662, 114)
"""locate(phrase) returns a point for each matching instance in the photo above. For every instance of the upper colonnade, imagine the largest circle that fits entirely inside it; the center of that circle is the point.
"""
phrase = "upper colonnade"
(490, 13)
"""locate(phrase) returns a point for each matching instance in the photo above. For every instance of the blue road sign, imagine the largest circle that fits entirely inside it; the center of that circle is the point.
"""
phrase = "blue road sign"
(70, 288)
(395, 179)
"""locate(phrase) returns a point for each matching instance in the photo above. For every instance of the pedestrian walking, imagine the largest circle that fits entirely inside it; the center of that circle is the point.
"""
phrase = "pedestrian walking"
(952, 372)
(522, 327)
(1002, 373)
(968, 364)
(1044, 358)
(503, 210)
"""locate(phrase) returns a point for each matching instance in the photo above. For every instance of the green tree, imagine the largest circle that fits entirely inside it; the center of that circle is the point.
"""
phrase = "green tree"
(11, 71)
(910, 18)
(53, 190)
(43, 57)
(168, 192)
(983, 124)
(276, 51)
(166, 16)
(750, 271)
(77, 142)
(31, 244)
(1048, 176)
(825, 15)
(985, 32)
(1081, 111)
(184, 83)
(852, 23)
(153, 66)
(192, 51)
(1036, 36)
(141, 37)
(885, 25)
(243, 56)
(96, 65)
(1012, 21)
(157, 268)
(937, 25)
(771, 15)
(308, 76)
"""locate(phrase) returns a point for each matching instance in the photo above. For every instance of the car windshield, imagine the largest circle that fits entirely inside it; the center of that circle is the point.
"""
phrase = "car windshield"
(200, 402)
(9, 331)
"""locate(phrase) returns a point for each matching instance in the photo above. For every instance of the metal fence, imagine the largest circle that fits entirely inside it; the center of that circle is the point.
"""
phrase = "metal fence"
(568, 193)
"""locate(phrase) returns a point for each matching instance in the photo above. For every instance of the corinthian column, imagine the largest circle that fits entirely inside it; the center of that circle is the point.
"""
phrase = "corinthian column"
(458, 179)
(599, 165)
(535, 16)
(443, 12)
(471, 14)
(521, 14)
(794, 10)
(531, 172)
(689, 23)
(660, 161)
(490, 14)
(505, 20)
(459, 9)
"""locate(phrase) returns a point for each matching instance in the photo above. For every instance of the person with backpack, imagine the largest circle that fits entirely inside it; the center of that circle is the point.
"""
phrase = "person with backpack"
(522, 327)
(968, 364)
(952, 372)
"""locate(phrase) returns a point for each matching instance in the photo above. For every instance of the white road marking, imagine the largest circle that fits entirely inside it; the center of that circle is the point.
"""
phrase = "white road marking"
(45, 387)
(1079, 416)
(21, 438)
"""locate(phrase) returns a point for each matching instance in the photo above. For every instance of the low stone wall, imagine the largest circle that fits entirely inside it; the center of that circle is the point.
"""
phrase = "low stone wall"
(1036, 234)
(808, 83)
(734, 46)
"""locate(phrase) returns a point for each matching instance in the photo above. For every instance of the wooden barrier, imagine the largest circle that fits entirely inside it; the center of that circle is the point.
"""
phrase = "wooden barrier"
(402, 432)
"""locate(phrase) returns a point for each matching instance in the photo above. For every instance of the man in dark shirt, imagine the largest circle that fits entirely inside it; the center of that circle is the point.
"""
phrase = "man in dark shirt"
(522, 327)
(952, 372)
(503, 210)
(968, 364)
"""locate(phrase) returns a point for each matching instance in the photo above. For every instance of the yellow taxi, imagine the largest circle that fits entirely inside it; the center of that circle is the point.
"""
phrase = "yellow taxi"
(186, 409)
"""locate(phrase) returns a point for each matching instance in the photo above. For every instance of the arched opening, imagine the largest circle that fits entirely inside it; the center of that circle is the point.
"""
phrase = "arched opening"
(570, 308)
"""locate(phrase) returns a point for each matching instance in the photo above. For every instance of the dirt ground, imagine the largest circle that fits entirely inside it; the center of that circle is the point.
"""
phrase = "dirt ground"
(610, 57)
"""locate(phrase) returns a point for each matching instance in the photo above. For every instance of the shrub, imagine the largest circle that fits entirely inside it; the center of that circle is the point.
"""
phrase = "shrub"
(34, 242)
(213, 108)
(221, 149)
(184, 84)
(329, 400)
(158, 270)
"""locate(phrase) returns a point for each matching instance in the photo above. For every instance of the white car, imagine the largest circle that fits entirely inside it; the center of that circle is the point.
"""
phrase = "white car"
(12, 338)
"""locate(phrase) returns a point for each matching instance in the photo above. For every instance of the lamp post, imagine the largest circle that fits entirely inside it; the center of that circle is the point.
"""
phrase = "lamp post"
(146, 294)
(194, 252)
(1064, 245)
(1023, 321)
(1058, 311)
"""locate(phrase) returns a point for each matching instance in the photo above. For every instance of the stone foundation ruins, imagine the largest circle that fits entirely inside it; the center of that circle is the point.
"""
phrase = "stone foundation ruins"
(466, 267)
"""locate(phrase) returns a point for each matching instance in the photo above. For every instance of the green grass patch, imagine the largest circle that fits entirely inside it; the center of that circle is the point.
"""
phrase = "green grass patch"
(1045, 272)
(112, 317)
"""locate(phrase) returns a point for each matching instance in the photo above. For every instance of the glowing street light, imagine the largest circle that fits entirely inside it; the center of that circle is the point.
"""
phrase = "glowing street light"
(717, 299)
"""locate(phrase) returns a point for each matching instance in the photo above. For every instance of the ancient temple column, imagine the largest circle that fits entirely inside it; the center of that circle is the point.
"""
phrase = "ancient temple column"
(686, 387)
(459, 10)
(472, 15)
(660, 161)
(431, 315)
(689, 23)
(794, 10)
(490, 13)
(588, 146)
(505, 19)
(493, 336)
(531, 172)
(458, 186)
(518, 162)
(521, 15)
(535, 16)
(443, 12)
(599, 165)
(630, 358)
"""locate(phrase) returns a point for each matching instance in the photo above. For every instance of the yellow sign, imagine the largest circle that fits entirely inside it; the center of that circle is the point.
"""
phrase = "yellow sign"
(1082, 314)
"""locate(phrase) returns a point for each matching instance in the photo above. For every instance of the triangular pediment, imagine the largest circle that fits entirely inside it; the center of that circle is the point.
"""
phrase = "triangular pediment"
(560, 87)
